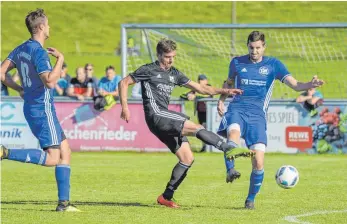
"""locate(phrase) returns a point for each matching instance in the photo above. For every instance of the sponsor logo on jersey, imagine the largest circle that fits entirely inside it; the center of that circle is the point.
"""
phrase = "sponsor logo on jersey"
(172, 79)
(244, 81)
(244, 70)
(159, 76)
(263, 71)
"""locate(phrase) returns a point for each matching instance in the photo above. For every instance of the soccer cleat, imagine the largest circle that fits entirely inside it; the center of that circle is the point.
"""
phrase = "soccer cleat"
(239, 152)
(65, 206)
(3, 152)
(168, 203)
(232, 174)
(249, 205)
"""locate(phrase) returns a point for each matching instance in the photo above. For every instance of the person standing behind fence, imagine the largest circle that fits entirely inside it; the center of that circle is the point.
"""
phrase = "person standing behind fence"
(89, 69)
(200, 107)
(81, 86)
(255, 74)
(108, 87)
(38, 80)
(311, 100)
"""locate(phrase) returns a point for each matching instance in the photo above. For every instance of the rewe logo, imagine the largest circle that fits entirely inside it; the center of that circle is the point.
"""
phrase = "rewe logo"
(244, 70)
(299, 137)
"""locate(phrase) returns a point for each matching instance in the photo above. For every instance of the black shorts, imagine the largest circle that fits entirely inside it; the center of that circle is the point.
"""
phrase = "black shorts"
(168, 128)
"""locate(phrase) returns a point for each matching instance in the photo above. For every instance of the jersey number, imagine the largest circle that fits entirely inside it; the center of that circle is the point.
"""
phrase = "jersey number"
(25, 74)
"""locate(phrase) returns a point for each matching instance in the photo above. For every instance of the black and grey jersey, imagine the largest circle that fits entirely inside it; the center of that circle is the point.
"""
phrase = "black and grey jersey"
(157, 85)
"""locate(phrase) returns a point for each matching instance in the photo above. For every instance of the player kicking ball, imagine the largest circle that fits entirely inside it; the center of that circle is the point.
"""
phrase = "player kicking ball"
(255, 74)
(38, 80)
(158, 79)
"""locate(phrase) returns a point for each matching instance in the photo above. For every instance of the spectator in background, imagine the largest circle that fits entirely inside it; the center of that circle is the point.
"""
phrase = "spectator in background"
(81, 86)
(4, 89)
(107, 90)
(311, 100)
(200, 107)
(60, 88)
(89, 69)
(136, 92)
(108, 85)
(64, 73)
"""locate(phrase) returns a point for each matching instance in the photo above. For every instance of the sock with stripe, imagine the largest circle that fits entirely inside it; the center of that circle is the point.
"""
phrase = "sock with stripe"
(229, 164)
(62, 176)
(210, 138)
(35, 156)
(179, 172)
(256, 181)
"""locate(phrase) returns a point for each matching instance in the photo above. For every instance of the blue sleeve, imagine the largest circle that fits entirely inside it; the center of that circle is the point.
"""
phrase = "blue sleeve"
(232, 70)
(42, 62)
(11, 57)
(281, 71)
(100, 84)
(117, 80)
(318, 94)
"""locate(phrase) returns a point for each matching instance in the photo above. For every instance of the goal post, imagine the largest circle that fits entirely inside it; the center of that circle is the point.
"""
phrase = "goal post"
(306, 50)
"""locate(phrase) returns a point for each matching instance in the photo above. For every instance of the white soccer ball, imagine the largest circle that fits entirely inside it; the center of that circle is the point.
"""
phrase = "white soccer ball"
(287, 176)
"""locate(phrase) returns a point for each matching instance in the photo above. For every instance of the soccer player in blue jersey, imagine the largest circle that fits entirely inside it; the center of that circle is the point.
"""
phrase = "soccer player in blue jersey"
(255, 74)
(38, 79)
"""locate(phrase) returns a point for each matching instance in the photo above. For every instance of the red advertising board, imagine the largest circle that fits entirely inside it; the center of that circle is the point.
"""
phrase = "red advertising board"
(299, 137)
(88, 129)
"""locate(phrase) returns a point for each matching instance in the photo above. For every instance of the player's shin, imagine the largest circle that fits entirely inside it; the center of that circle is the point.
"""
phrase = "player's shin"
(229, 164)
(179, 172)
(35, 156)
(256, 180)
(211, 138)
(62, 176)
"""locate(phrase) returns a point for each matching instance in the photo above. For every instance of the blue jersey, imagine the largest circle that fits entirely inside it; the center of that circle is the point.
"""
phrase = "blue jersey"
(256, 80)
(31, 60)
(109, 85)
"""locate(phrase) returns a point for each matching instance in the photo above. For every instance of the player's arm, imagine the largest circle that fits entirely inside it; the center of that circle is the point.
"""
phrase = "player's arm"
(209, 90)
(6, 78)
(59, 90)
(301, 98)
(228, 84)
(123, 96)
(49, 79)
(301, 86)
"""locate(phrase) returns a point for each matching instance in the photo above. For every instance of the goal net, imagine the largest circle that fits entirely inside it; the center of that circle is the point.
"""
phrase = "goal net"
(205, 49)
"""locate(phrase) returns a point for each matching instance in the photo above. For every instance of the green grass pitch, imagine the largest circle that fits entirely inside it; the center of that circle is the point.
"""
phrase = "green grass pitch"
(122, 188)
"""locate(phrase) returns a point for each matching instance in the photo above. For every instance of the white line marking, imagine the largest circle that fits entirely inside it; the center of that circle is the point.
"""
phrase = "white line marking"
(294, 218)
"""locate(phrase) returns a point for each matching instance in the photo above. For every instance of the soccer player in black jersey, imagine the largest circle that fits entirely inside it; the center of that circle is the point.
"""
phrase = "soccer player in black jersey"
(157, 81)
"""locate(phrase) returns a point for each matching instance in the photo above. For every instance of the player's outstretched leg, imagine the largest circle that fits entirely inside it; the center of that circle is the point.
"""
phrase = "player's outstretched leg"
(35, 156)
(179, 173)
(231, 152)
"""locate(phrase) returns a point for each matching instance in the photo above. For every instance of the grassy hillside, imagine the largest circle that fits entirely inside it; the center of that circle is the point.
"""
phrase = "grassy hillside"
(90, 31)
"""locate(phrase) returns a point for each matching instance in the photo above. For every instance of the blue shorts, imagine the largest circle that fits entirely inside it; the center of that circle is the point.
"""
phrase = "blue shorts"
(44, 124)
(252, 126)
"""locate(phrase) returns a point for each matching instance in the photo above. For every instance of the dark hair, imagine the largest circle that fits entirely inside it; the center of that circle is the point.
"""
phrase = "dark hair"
(165, 46)
(255, 36)
(34, 19)
(88, 64)
(109, 67)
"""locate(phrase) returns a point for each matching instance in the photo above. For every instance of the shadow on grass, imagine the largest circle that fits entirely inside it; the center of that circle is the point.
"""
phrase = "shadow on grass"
(101, 203)
(83, 203)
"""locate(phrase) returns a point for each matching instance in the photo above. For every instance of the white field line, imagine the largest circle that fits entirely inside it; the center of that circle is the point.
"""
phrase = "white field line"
(295, 218)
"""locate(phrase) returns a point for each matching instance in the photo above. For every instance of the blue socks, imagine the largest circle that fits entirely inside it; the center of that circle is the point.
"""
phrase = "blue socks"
(256, 181)
(62, 176)
(35, 156)
(230, 163)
